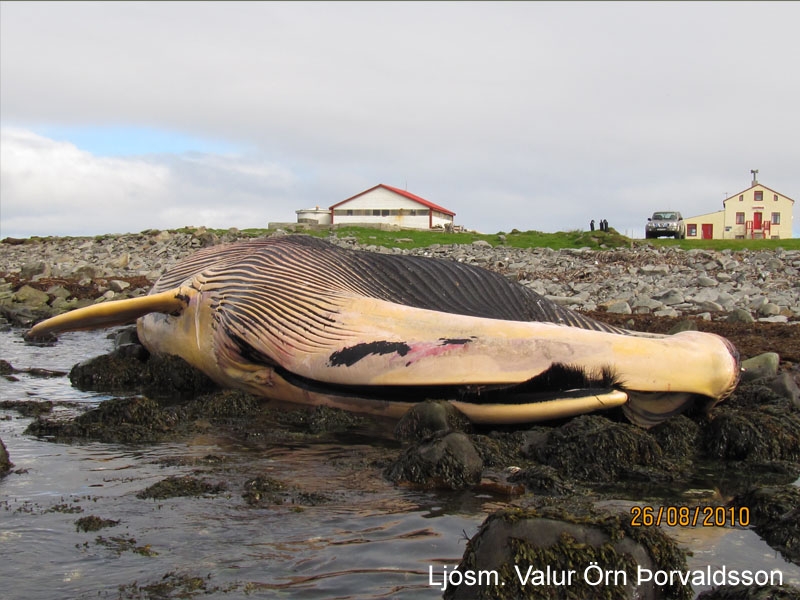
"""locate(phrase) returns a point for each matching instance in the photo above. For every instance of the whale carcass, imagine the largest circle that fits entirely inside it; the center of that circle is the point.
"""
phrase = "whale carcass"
(300, 319)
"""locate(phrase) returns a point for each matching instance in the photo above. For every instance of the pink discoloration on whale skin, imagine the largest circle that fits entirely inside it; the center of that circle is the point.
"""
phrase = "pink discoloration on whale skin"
(429, 350)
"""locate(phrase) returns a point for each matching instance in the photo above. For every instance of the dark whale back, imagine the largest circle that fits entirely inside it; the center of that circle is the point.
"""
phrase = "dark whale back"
(434, 284)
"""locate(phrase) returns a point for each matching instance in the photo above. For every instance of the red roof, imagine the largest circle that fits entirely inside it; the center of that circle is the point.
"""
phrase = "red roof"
(404, 193)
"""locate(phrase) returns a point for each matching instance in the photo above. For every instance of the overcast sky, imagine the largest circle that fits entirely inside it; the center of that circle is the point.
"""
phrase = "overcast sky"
(124, 116)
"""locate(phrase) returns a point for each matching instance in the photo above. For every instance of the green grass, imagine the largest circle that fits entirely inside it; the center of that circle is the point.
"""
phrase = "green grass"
(409, 238)
(786, 244)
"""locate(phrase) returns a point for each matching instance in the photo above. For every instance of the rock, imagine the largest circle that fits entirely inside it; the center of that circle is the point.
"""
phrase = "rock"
(620, 308)
(174, 487)
(447, 461)
(427, 418)
(119, 420)
(85, 272)
(766, 430)
(769, 310)
(670, 297)
(775, 515)
(740, 315)
(31, 269)
(130, 368)
(543, 481)
(704, 281)
(121, 261)
(557, 553)
(785, 386)
(750, 592)
(33, 298)
(5, 462)
(763, 365)
(58, 292)
(593, 448)
(118, 286)
(774, 319)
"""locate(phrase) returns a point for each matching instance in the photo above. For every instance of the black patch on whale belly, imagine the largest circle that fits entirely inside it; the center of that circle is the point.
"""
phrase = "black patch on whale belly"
(560, 381)
(352, 354)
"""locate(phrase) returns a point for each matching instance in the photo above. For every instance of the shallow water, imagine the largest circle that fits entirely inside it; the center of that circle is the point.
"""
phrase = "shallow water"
(371, 540)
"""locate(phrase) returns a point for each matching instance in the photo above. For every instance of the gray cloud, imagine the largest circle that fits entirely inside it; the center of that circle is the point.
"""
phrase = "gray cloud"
(527, 115)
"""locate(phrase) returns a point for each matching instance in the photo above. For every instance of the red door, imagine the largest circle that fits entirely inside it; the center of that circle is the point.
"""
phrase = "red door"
(708, 231)
(757, 221)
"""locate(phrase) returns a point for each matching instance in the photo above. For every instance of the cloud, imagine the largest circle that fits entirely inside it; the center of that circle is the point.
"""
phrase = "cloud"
(526, 115)
(50, 187)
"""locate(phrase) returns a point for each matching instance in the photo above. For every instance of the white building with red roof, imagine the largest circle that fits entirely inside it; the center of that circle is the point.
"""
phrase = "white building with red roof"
(384, 204)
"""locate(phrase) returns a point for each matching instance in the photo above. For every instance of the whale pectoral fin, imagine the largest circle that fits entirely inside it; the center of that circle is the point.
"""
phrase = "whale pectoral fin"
(112, 313)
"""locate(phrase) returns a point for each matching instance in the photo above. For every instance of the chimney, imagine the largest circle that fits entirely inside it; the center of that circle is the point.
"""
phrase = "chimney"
(754, 172)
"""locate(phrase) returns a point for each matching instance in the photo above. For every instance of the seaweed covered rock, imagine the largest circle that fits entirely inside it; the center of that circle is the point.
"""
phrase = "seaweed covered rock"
(554, 553)
(224, 406)
(174, 487)
(747, 592)
(501, 449)
(595, 449)
(445, 461)
(319, 419)
(775, 516)
(543, 481)
(678, 437)
(120, 420)
(266, 491)
(131, 368)
(755, 424)
(429, 417)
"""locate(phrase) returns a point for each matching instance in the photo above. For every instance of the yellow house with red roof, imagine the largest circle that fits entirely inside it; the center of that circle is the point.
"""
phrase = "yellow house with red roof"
(384, 204)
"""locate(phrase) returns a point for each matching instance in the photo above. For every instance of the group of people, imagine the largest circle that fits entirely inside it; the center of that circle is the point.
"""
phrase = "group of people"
(603, 225)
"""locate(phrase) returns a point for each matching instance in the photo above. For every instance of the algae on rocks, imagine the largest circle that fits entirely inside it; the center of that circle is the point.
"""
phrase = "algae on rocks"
(555, 553)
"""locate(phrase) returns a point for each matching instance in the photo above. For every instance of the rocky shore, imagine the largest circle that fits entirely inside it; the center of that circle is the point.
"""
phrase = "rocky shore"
(553, 477)
(663, 282)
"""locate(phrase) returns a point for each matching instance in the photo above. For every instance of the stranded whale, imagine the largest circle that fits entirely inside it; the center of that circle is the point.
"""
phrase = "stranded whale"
(299, 319)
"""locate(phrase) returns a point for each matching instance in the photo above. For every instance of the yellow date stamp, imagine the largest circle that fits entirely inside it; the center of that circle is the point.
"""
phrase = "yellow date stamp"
(690, 516)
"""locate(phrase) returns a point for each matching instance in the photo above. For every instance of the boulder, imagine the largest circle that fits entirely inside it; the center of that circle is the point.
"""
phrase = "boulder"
(31, 297)
(592, 448)
(763, 365)
(5, 462)
(564, 553)
(428, 418)
(448, 461)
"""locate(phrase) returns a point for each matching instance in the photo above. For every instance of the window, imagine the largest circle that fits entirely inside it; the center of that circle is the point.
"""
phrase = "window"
(775, 197)
(776, 218)
(741, 197)
(691, 230)
(740, 218)
(376, 212)
(759, 197)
